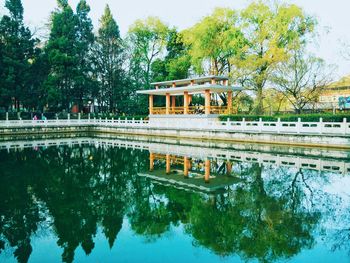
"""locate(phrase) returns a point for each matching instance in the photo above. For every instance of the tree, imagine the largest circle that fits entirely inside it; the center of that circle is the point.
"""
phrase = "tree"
(270, 34)
(213, 41)
(85, 39)
(301, 79)
(175, 64)
(17, 53)
(148, 39)
(61, 50)
(109, 60)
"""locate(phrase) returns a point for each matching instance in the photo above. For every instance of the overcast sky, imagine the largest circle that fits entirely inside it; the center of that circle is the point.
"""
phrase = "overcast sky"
(333, 17)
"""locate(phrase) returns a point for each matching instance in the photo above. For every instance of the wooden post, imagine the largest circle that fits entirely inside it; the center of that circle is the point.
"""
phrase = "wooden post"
(173, 103)
(186, 102)
(151, 162)
(229, 102)
(207, 171)
(167, 103)
(228, 168)
(150, 104)
(213, 81)
(207, 101)
(186, 167)
(167, 169)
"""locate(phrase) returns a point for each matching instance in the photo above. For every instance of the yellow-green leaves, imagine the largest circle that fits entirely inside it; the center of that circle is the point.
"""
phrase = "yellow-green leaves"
(214, 39)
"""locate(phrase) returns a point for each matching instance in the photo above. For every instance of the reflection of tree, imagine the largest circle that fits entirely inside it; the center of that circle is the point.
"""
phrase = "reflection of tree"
(80, 187)
(252, 224)
(20, 214)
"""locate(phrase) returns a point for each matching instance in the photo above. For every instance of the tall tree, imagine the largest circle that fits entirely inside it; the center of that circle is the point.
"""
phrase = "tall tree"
(85, 39)
(61, 50)
(270, 32)
(17, 53)
(109, 60)
(148, 39)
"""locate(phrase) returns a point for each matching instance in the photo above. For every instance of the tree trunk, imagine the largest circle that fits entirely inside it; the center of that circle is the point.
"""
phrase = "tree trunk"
(259, 98)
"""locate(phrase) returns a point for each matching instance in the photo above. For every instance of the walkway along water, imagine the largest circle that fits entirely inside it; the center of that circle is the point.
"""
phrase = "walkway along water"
(318, 134)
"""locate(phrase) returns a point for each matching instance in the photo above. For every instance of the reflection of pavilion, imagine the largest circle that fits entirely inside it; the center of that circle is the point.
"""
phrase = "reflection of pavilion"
(189, 173)
(185, 110)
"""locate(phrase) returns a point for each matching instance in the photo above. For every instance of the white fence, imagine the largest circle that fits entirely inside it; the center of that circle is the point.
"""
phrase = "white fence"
(278, 127)
(300, 161)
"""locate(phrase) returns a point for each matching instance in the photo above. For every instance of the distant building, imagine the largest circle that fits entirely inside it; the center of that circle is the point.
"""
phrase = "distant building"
(336, 95)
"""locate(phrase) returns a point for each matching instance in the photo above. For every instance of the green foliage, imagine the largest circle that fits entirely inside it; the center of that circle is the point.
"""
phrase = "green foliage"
(270, 32)
(109, 60)
(214, 41)
(17, 55)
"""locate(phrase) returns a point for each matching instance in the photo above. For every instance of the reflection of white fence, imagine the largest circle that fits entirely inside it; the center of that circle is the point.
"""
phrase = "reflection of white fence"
(277, 127)
(284, 160)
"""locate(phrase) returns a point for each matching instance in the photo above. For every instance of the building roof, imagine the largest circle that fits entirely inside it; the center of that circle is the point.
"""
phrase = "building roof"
(343, 82)
(195, 89)
(181, 82)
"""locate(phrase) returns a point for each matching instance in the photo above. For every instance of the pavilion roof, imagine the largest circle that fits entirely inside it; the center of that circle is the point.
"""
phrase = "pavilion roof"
(182, 82)
(195, 89)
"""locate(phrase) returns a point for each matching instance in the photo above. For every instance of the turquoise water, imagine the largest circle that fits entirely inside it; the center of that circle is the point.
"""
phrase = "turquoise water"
(95, 202)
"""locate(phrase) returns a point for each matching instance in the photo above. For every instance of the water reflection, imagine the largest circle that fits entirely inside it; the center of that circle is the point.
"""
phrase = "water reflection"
(252, 209)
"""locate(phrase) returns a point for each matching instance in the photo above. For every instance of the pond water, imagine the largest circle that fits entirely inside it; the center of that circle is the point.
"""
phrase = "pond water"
(124, 200)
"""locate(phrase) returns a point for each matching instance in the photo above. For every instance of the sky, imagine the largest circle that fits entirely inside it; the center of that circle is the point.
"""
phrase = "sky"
(333, 17)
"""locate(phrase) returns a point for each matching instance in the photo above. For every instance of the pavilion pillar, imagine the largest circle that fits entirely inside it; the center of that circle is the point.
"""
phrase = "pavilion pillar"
(151, 162)
(173, 103)
(228, 168)
(167, 165)
(167, 103)
(150, 104)
(186, 102)
(186, 161)
(207, 171)
(207, 101)
(229, 102)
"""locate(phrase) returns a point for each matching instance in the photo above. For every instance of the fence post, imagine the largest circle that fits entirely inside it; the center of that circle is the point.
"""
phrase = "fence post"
(321, 125)
(345, 125)
(68, 116)
(19, 115)
(260, 125)
(243, 124)
(79, 116)
(299, 125)
(89, 117)
(56, 116)
(279, 125)
(7, 116)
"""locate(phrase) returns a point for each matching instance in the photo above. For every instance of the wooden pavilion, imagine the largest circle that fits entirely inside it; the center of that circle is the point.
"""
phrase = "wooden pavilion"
(186, 88)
